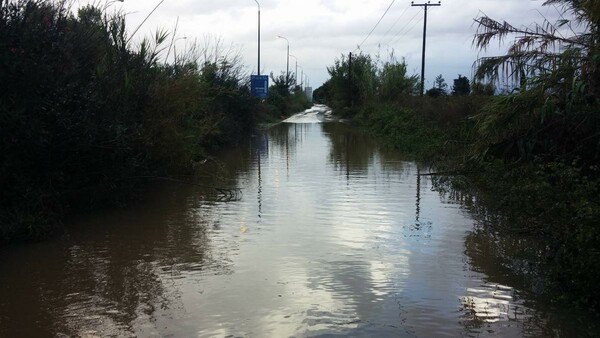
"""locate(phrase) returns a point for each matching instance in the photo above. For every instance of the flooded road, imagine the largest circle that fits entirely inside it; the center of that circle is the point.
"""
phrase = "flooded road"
(329, 235)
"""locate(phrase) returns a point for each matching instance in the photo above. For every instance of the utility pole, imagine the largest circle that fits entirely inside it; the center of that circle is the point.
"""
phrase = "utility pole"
(426, 6)
(296, 73)
(287, 71)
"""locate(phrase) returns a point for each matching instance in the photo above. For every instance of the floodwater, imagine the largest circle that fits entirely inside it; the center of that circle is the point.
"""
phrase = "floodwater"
(315, 231)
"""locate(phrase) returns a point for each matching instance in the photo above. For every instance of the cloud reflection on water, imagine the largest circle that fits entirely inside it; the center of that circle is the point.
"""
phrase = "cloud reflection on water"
(333, 236)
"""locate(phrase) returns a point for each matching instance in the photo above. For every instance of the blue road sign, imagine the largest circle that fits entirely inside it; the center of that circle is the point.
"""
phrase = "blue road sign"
(260, 85)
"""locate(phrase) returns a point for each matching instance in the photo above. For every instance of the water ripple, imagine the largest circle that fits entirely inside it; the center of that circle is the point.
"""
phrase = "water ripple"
(333, 236)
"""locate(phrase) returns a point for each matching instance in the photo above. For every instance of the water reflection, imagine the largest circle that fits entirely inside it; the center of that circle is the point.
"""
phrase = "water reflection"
(332, 236)
(508, 297)
(110, 276)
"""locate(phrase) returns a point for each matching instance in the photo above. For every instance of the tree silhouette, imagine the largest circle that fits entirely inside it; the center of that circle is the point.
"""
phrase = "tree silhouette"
(440, 87)
(461, 86)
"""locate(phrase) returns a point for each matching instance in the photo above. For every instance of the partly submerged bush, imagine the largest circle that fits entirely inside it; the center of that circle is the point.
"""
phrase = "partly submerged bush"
(557, 203)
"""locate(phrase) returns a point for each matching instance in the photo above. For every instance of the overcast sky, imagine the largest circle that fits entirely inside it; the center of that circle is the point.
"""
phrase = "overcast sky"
(319, 31)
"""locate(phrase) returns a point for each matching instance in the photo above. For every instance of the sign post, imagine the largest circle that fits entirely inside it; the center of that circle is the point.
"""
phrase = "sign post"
(260, 85)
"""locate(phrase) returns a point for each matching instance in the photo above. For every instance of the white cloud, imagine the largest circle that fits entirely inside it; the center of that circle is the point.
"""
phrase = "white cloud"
(321, 30)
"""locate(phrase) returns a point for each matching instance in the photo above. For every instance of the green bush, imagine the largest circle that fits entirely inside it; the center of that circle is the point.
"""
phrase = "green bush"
(558, 203)
(553, 111)
(403, 128)
(83, 114)
(285, 98)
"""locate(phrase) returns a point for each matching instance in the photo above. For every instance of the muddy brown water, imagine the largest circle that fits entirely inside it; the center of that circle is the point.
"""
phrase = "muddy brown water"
(329, 235)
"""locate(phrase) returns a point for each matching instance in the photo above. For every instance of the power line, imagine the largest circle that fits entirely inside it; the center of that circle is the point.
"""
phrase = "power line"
(413, 26)
(406, 32)
(402, 30)
(395, 23)
(146, 18)
(377, 24)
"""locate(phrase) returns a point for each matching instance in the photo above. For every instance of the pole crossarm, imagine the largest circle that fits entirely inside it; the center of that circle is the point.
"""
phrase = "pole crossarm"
(426, 6)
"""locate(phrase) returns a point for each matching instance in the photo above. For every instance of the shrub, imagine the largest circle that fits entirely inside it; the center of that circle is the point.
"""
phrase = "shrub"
(82, 113)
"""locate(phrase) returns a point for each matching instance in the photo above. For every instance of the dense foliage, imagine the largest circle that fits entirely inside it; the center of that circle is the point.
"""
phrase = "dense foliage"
(547, 131)
(83, 113)
(440, 87)
(285, 96)
(532, 152)
(358, 79)
(553, 112)
(462, 86)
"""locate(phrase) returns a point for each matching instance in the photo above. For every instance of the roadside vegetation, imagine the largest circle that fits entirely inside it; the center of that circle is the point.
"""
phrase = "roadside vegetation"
(86, 114)
(285, 96)
(383, 98)
(530, 154)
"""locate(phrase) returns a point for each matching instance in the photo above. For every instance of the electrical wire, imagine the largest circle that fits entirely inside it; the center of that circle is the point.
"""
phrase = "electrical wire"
(377, 24)
(394, 25)
(413, 26)
(403, 31)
